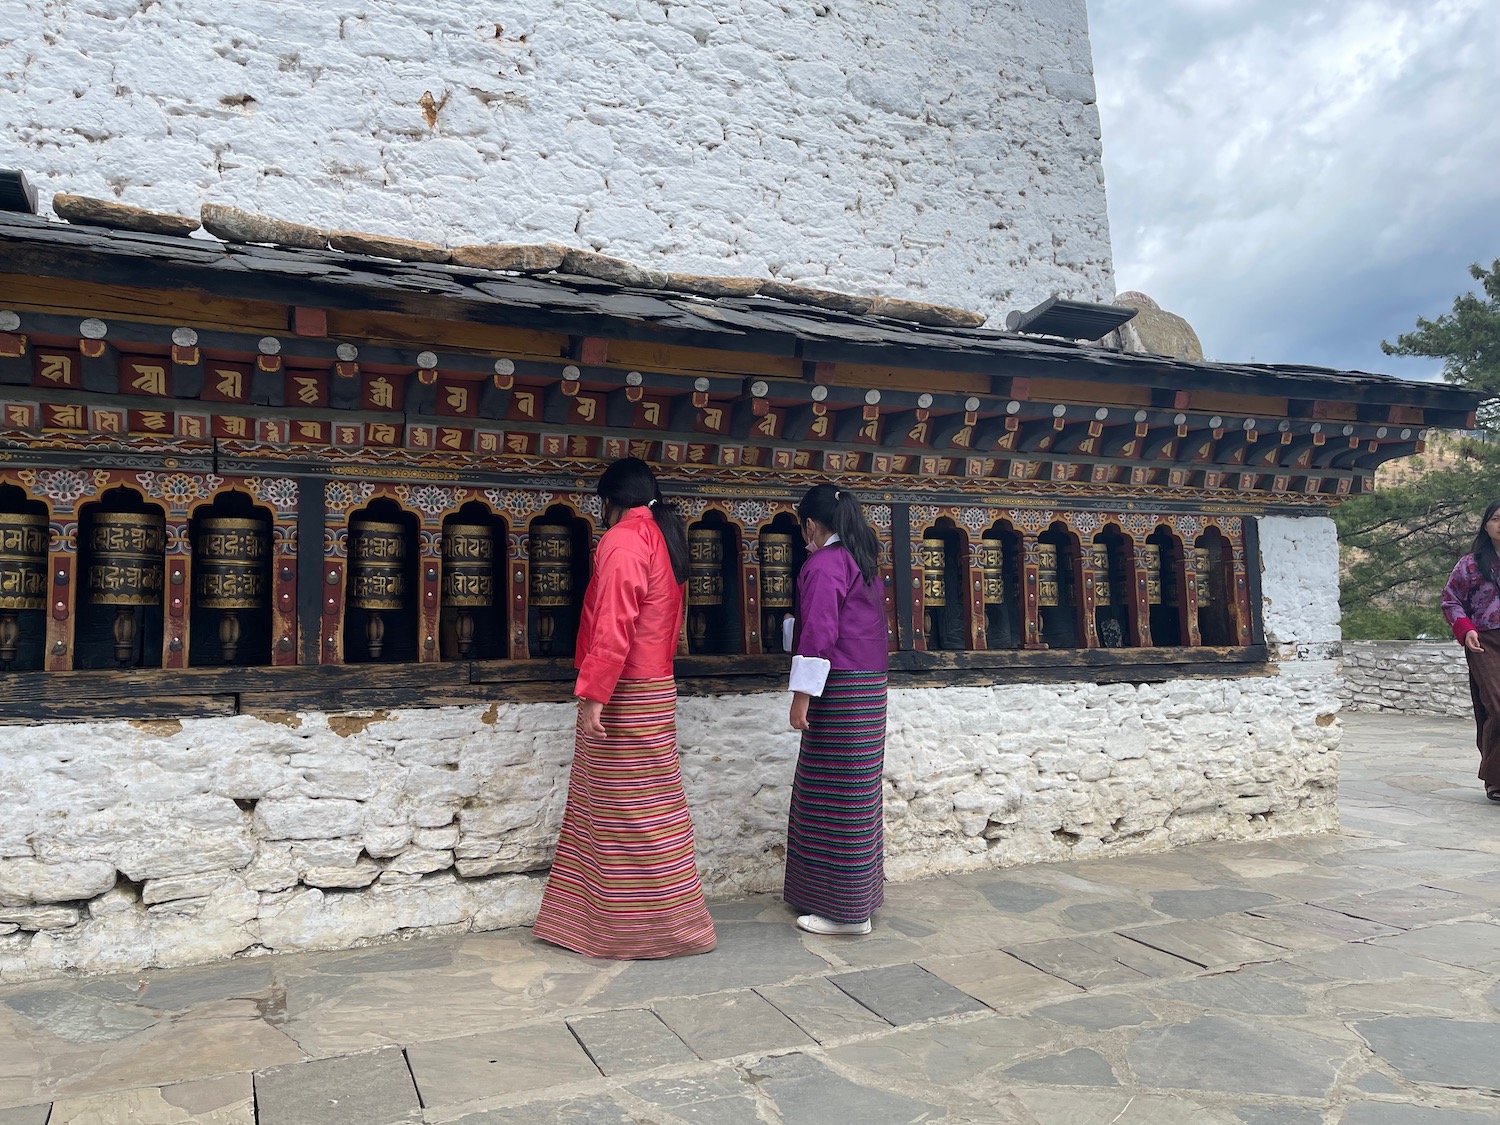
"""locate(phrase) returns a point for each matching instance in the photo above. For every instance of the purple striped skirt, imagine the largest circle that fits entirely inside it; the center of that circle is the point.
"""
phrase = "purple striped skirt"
(835, 840)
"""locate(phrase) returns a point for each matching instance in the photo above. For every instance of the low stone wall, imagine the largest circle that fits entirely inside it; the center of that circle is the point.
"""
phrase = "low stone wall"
(1412, 677)
(128, 845)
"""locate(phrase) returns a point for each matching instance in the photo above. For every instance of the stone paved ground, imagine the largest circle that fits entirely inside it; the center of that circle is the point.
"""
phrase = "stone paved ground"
(1333, 980)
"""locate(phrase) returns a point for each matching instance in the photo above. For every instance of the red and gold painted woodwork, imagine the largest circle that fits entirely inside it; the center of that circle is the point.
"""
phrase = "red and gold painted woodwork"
(180, 496)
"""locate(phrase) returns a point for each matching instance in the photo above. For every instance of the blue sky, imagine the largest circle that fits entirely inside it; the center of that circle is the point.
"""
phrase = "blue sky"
(1300, 179)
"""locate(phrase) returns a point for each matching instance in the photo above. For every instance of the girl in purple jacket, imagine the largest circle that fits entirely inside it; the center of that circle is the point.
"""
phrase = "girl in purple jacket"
(835, 861)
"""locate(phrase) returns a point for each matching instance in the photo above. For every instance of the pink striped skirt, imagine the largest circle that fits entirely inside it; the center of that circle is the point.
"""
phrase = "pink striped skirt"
(624, 884)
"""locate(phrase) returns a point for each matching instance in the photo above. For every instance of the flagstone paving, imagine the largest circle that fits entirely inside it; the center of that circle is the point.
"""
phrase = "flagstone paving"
(1343, 979)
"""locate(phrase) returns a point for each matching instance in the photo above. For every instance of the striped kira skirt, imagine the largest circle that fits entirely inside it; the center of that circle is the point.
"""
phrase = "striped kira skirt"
(623, 883)
(835, 861)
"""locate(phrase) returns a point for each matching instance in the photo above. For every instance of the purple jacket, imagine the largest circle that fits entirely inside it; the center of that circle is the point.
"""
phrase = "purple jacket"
(1470, 600)
(840, 619)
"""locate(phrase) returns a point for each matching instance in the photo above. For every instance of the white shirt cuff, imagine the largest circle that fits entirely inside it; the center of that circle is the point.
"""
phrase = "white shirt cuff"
(788, 626)
(809, 674)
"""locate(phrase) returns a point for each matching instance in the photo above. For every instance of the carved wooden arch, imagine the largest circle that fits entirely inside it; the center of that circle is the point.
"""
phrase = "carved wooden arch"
(532, 506)
(1000, 527)
(966, 521)
(502, 528)
(696, 511)
(341, 505)
(1066, 525)
(753, 517)
(32, 509)
(1110, 527)
(1181, 582)
(173, 600)
(281, 591)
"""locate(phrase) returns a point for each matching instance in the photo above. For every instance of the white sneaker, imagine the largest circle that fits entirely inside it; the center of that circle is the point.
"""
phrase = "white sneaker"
(817, 924)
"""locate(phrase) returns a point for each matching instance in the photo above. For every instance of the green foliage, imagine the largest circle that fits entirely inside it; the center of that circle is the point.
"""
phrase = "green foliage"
(1467, 340)
(1408, 622)
(1400, 543)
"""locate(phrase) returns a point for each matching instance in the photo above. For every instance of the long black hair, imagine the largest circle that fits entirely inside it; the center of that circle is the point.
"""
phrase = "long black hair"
(630, 483)
(840, 512)
(1484, 550)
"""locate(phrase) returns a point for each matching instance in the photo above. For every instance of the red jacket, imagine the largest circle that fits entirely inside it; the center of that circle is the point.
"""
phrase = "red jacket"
(632, 612)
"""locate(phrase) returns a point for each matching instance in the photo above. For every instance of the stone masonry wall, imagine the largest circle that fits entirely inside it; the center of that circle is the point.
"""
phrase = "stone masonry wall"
(946, 152)
(128, 845)
(1411, 677)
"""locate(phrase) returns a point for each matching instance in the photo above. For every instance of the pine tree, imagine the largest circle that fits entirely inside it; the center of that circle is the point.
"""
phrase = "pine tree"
(1401, 541)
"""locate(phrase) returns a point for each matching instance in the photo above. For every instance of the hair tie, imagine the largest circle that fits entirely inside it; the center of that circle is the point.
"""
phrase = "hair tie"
(837, 495)
(651, 503)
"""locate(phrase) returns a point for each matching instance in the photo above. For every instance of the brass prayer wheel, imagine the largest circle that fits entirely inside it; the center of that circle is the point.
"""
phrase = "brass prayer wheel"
(230, 574)
(468, 576)
(1047, 589)
(933, 556)
(776, 585)
(551, 565)
(1151, 556)
(127, 564)
(377, 565)
(23, 575)
(229, 571)
(1103, 587)
(127, 568)
(468, 565)
(705, 566)
(1201, 568)
(992, 571)
(23, 561)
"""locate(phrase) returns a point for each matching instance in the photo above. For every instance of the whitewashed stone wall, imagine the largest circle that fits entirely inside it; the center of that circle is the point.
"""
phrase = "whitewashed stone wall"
(127, 845)
(947, 152)
(1410, 677)
(1299, 560)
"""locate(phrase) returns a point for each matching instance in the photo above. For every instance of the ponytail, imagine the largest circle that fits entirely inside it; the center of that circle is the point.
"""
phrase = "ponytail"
(840, 512)
(674, 532)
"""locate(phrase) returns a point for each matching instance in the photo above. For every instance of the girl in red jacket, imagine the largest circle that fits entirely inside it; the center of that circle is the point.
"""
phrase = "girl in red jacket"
(623, 883)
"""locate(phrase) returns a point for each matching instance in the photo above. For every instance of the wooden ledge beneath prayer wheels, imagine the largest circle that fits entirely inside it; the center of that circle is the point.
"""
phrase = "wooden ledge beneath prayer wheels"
(155, 694)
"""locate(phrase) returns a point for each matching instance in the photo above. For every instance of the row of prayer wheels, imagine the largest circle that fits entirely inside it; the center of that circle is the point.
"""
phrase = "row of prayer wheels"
(126, 570)
(1053, 586)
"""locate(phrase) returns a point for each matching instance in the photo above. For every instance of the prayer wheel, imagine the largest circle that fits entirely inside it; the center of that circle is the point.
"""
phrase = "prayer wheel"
(705, 566)
(23, 575)
(229, 573)
(992, 571)
(1151, 556)
(551, 576)
(468, 575)
(933, 555)
(705, 579)
(377, 575)
(1103, 586)
(776, 584)
(127, 568)
(1202, 567)
(1048, 592)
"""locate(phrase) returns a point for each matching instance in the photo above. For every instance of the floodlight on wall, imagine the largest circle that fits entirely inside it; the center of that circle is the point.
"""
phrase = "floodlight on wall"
(16, 192)
(1073, 320)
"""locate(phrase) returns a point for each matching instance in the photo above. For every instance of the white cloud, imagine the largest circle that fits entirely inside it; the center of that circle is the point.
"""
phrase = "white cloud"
(1301, 178)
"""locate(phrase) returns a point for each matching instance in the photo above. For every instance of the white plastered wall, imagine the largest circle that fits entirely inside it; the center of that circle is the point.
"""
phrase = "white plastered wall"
(948, 152)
